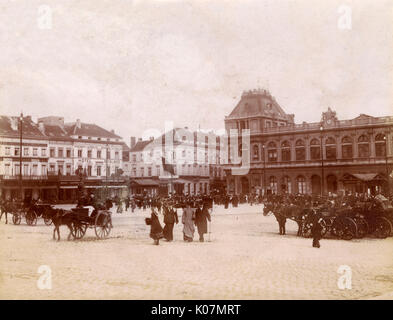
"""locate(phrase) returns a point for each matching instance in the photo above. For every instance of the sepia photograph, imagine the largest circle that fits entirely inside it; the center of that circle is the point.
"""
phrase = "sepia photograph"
(195, 150)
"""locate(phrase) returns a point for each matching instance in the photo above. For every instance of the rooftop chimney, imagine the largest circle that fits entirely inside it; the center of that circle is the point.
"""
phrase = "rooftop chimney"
(113, 131)
(132, 142)
(41, 127)
(78, 123)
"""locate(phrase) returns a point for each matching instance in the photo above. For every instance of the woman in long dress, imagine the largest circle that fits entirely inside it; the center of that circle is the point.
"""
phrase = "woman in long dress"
(156, 232)
(188, 222)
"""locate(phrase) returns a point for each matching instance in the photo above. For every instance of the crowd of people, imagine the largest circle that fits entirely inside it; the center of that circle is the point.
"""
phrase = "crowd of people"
(196, 209)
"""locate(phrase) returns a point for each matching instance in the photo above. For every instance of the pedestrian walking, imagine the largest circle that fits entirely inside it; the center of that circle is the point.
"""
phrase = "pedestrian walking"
(188, 218)
(156, 232)
(201, 218)
(170, 218)
(316, 231)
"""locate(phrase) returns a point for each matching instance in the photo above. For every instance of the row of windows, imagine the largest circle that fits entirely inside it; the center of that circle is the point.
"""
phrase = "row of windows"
(363, 145)
(150, 155)
(199, 170)
(61, 153)
(26, 151)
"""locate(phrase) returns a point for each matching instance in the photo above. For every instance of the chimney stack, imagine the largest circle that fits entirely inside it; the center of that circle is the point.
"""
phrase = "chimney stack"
(113, 131)
(132, 142)
(41, 127)
(78, 123)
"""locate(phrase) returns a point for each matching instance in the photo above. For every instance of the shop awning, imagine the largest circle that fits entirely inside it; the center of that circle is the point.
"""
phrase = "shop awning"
(365, 176)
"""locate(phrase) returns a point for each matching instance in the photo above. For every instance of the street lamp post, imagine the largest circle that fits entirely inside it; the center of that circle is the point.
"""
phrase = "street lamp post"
(264, 169)
(20, 155)
(322, 173)
(106, 171)
(386, 164)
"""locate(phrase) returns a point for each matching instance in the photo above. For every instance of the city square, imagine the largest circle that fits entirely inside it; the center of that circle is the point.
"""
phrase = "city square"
(196, 150)
(245, 258)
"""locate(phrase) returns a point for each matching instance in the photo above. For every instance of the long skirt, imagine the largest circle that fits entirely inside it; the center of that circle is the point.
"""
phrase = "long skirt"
(168, 231)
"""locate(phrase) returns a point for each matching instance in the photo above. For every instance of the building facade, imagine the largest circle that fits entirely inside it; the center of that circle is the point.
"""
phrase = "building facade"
(187, 152)
(58, 157)
(330, 156)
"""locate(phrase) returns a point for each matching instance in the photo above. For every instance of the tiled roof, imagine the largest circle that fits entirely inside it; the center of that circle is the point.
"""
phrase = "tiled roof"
(89, 130)
(55, 131)
(10, 126)
(140, 145)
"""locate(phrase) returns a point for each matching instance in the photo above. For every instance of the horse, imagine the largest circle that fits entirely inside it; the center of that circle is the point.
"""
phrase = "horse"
(6, 207)
(61, 217)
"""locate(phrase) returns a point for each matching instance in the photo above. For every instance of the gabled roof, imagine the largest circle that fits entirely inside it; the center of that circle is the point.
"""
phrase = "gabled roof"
(10, 126)
(258, 103)
(90, 130)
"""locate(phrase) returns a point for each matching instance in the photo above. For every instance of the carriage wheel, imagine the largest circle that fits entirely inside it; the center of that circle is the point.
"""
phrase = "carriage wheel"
(362, 227)
(16, 218)
(382, 227)
(349, 230)
(48, 221)
(306, 230)
(78, 230)
(103, 225)
(31, 218)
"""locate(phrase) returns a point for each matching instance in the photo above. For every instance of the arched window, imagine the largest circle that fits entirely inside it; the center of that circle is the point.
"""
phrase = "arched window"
(287, 186)
(363, 146)
(330, 148)
(285, 151)
(300, 150)
(315, 149)
(380, 145)
(272, 152)
(301, 184)
(273, 184)
(255, 152)
(346, 148)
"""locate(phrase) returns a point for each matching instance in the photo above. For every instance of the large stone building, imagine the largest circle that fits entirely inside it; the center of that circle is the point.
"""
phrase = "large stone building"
(188, 153)
(57, 157)
(332, 155)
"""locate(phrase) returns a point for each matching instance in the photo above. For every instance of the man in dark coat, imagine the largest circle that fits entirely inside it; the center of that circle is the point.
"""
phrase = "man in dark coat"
(316, 231)
(201, 218)
(170, 218)
(155, 227)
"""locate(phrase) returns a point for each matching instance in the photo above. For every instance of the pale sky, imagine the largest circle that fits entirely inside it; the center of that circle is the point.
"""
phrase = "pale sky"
(130, 65)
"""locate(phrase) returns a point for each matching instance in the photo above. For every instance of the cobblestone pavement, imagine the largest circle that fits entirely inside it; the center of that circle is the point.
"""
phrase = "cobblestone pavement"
(244, 259)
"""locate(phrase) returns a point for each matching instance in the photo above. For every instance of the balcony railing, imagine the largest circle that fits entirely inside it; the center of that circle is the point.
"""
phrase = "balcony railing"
(316, 125)
(24, 177)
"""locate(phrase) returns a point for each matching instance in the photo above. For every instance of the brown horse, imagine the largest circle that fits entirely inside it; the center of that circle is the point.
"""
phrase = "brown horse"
(61, 217)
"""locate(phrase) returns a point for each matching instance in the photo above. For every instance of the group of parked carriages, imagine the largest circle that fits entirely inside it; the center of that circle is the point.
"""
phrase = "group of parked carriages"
(78, 219)
(344, 220)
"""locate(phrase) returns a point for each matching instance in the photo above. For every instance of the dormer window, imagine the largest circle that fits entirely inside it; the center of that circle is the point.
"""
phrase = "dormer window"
(79, 137)
(98, 139)
(108, 139)
(89, 138)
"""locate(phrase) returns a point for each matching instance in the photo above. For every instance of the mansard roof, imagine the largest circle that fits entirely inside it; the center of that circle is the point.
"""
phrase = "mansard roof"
(258, 103)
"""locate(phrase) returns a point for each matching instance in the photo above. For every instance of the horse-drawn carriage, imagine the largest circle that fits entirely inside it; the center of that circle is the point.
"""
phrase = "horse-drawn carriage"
(80, 219)
(30, 212)
(373, 217)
